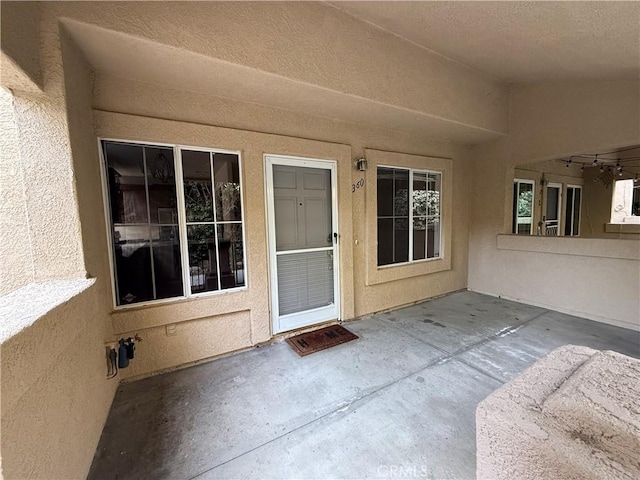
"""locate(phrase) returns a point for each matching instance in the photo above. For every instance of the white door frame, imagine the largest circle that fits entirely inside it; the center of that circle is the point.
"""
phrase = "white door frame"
(573, 198)
(518, 181)
(558, 186)
(316, 315)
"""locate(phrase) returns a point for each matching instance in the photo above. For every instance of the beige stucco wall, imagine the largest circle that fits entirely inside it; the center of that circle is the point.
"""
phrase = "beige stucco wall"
(597, 208)
(62, 194)
(308, 43)
(19, 40)
(45, 162)
(238, 320)
(552, 172)
(55, 395)
(231, 320)
(552, 121)
(16, 258)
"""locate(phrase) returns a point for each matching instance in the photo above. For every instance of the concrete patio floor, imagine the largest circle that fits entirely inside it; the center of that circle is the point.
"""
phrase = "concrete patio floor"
(399, 402)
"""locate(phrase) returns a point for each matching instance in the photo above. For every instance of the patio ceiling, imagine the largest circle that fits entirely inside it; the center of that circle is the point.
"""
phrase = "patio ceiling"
(136, 58)
(519, 42)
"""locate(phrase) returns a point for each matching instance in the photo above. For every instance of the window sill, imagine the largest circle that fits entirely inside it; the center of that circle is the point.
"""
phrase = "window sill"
(171, 300)
(404, 264)
(390, 273)
(585, 247)
(622, 227)
(24, 307)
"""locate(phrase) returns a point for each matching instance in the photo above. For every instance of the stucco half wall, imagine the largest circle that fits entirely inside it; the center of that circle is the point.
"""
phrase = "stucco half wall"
(55, 394)
(595, 278)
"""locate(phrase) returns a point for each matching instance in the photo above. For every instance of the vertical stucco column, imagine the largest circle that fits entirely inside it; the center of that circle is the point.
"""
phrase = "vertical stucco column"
(16, 259)
(48, 203)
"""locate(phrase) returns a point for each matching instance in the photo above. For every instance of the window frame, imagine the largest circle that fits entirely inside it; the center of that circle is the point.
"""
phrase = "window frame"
(571, 217)
(634, 188)
(182, 223)
(411, 261)
(514, 203)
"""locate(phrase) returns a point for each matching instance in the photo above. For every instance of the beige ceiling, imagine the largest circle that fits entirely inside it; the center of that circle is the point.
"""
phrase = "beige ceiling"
(519, 42)
(146, 61)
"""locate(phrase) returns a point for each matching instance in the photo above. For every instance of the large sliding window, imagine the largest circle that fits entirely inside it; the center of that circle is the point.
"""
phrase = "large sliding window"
(175, 219)
(408, 203)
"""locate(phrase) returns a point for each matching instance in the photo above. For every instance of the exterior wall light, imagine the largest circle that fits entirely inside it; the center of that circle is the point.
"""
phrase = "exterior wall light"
(361, 164)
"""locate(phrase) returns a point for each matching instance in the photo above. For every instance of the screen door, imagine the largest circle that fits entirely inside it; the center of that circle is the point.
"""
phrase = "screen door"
(303, 242)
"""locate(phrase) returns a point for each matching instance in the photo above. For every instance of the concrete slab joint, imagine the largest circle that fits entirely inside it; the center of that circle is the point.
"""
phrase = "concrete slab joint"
(573, 414)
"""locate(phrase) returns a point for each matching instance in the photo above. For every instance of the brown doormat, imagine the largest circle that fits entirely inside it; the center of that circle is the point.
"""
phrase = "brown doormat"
(311, 342)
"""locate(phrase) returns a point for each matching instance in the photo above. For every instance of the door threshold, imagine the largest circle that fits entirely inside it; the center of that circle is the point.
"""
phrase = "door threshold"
(279, 337)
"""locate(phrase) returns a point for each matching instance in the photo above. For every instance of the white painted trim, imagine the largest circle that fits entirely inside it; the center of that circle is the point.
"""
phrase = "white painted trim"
(410, 220)
(146, 196)
(109, 223)
(182, 220)
(215, 218)
(313, 316)
(304, 250)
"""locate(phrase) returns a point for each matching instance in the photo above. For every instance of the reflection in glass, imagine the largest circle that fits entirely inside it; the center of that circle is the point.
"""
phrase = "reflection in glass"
(385, 241)
(226, 173)
(522, 207)
(142, 196)
(230, 249)
(385, 192)
(420, 194)
(433, 237)
(433, 194)
(525, 200)
(393, 221)
(401, 240)
(419, 237)
(203, 270)
(127, 191)
(198, 192)
(133, 264)
(213, 266)
(146, 231)
(161, 182)
(166, 261)
(401, 193)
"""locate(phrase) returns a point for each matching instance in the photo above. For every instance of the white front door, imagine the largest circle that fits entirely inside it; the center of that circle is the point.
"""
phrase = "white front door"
(303, 256)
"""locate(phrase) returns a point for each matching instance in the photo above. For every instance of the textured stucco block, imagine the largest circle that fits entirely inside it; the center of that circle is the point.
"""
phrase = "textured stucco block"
(55, 393)
(571, 415)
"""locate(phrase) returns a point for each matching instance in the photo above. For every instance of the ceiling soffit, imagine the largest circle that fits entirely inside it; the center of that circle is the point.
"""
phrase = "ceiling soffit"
(127, 56)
